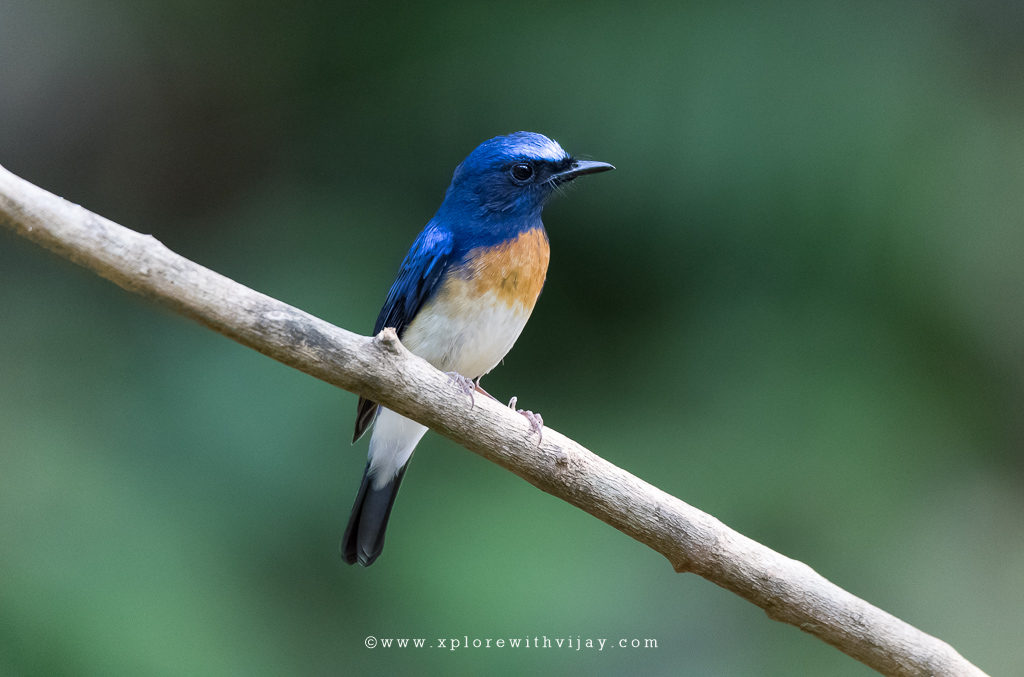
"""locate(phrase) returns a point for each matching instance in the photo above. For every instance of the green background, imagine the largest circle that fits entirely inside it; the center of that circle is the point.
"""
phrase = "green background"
(798, 304)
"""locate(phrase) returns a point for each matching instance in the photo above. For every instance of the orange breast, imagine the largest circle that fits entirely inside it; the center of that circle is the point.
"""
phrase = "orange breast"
(514, 271)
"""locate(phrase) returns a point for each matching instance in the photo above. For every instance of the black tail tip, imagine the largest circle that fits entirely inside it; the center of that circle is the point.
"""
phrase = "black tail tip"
(364, 538)
(353, 553)
(361, 558)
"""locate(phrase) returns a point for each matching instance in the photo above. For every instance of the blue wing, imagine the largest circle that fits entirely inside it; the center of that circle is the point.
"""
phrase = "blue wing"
(418, 279)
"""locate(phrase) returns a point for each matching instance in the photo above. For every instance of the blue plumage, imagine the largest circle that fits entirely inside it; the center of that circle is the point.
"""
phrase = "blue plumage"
(417, 279)
(461, 298)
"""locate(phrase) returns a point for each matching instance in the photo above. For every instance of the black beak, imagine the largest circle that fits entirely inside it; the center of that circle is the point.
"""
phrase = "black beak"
(579, 168)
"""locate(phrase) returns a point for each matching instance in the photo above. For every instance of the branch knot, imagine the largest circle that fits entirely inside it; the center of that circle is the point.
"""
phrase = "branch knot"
(388, 340)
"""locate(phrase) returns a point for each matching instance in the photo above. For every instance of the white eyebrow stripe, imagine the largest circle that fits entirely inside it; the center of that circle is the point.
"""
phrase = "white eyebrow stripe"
(546, 149)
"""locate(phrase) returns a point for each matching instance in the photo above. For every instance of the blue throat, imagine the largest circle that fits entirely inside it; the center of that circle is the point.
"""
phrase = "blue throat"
(477, 223)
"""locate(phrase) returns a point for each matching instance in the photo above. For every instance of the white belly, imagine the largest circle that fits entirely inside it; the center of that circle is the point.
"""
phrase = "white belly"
(464, 332)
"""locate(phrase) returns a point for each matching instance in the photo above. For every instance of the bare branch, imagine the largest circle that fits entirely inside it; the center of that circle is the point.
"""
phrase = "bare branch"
(381, 369)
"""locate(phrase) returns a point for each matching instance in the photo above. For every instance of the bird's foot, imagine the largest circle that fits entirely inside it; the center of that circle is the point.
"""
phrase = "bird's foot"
(536, 420)
(480, 389)
(467, 385)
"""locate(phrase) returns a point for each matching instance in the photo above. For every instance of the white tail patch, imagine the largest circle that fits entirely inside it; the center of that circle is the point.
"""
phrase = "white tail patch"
(394, 439)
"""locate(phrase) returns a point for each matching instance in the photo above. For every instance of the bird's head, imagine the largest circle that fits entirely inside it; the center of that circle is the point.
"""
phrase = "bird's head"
(512, 176)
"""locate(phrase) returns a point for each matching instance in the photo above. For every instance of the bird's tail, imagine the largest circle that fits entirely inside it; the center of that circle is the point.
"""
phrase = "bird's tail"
(364, 537)
(394, 439)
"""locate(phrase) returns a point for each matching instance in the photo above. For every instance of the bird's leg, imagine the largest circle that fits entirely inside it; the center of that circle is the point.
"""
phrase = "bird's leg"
(536, 420)
(471, 385)
(466, 384)
(480, 389)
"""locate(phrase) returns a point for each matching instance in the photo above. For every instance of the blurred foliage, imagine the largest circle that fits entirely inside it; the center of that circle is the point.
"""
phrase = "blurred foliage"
(798, 304)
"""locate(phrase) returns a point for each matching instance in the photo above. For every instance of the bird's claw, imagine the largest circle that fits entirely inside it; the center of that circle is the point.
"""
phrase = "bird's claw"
(467, 385)
(536, 420)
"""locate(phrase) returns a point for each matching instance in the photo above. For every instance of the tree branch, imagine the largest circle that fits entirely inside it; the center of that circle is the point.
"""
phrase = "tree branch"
(381, 369)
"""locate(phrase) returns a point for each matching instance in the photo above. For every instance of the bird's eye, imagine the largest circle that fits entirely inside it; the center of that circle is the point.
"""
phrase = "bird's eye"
(521, 172)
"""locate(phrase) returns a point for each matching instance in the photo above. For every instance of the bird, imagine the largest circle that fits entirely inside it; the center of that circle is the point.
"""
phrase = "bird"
(461, 298)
